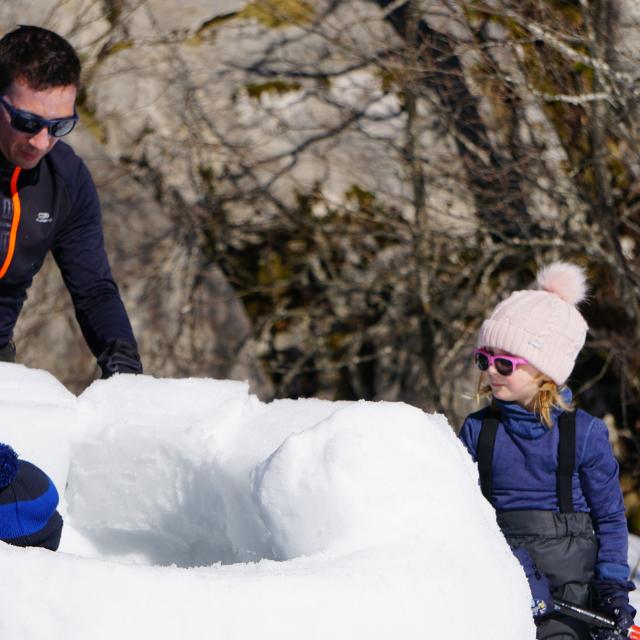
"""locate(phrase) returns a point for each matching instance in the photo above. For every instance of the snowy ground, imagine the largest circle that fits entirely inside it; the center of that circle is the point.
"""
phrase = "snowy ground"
(193, 509)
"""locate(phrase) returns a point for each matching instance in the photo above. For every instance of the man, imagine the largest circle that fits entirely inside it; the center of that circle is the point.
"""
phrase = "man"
(48, 200)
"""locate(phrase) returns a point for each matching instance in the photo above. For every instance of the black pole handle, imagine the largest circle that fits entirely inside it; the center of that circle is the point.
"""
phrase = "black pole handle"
(585, 615)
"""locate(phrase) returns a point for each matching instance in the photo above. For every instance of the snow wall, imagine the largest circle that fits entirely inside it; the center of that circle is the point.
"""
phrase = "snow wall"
(193, 509)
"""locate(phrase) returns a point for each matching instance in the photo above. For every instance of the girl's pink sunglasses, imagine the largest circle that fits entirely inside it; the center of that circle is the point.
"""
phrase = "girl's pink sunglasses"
(504, 365)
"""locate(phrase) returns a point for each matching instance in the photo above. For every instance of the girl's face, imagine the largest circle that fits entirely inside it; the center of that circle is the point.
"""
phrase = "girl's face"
(521, 386)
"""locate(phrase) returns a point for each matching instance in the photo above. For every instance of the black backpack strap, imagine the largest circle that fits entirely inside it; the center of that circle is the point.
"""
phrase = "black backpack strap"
(486, 442)
(566, 460)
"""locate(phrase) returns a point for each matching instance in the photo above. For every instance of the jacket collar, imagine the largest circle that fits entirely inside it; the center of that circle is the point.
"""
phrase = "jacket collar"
(525, 423)
(27, 176)
(6, 169)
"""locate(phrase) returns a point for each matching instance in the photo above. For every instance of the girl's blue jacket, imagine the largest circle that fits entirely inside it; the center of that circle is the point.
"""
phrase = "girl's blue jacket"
(524, 476)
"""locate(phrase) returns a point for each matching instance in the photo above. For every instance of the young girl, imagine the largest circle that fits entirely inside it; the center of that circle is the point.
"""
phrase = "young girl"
(548, 470)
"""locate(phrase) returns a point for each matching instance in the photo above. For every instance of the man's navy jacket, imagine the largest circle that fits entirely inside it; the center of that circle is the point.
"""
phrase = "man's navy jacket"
(55, 207)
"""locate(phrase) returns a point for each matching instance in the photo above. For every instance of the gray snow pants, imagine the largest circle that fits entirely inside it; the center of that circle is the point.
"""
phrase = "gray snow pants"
(564, 548)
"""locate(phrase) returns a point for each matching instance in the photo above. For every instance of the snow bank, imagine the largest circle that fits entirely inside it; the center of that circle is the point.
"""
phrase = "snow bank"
(370, 474)
(193, 508)
(38, 418)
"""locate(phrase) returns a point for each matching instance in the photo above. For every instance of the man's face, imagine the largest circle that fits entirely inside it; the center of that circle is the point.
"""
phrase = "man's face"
(23, 149)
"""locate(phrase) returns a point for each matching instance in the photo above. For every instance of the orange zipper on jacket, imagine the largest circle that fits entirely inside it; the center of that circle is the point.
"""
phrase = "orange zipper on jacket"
(15, 198)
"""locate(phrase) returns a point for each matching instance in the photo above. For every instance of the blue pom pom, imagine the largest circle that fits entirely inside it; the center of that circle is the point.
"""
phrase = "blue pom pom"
(8, 465)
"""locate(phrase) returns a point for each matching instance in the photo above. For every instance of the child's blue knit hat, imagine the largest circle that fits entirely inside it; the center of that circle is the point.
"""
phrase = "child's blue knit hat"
(28, 501)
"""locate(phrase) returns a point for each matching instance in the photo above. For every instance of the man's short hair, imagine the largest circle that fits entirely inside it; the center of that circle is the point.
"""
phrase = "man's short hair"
(40, 57)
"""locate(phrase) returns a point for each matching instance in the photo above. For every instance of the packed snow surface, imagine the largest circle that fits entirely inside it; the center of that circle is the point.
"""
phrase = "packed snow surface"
(194, 510)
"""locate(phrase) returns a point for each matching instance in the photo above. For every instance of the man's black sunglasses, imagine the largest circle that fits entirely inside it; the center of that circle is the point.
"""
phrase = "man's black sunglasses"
(28, 122)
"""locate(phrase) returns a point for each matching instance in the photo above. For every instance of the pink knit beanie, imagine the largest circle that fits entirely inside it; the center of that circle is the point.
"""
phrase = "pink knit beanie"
(542, 325)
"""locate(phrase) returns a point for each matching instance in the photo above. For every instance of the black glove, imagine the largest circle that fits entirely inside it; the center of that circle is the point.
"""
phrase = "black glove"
(119, 357)
(541, 598)
(612, 599)
(8, 352)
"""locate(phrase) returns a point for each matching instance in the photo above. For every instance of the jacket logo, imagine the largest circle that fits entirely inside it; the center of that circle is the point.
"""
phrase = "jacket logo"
(43, 216)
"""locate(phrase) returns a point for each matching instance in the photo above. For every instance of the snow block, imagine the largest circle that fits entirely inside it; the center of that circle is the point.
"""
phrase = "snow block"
(38, 419)
(200, 509)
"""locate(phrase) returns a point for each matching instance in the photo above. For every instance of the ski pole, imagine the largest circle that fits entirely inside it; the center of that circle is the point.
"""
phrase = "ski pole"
(592, 618)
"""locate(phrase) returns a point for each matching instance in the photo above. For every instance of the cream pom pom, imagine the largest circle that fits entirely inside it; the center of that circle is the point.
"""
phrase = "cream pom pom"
(566, 280)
